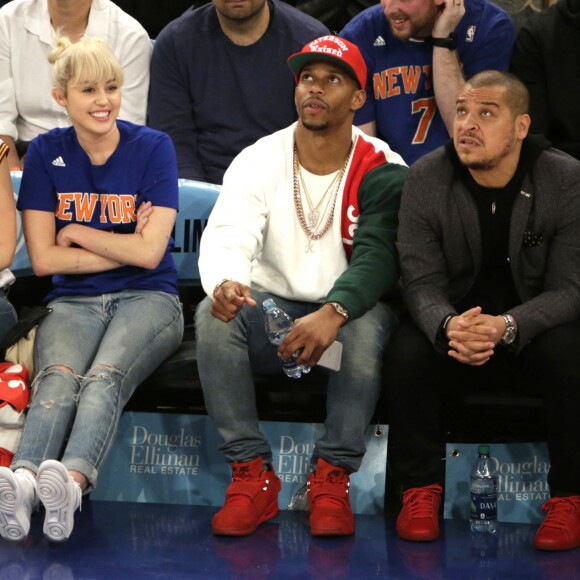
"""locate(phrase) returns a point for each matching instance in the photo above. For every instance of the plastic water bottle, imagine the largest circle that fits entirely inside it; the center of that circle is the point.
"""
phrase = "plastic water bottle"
(484, 484)
(278, 325)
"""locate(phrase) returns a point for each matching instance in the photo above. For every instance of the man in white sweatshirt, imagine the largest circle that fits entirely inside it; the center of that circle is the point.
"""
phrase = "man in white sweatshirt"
(307, 216)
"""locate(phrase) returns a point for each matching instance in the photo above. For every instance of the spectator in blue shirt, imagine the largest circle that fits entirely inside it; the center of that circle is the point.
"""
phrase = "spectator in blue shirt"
(418, 54)
(219, 80)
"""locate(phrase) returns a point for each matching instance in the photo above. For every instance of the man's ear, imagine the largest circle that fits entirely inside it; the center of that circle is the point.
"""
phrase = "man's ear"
(59, 97)
(523, 125)
(358, 99)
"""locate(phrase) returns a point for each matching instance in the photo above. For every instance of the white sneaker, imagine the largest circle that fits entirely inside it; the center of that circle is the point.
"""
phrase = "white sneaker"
(17, 501)
(61, 496)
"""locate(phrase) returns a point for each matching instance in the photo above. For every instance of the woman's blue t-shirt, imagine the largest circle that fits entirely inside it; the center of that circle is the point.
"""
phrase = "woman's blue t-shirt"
(60, 178)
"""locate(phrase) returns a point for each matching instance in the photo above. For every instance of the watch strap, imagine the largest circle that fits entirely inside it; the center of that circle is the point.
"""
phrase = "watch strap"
(449, 42)
(510, 330)
(340, 309)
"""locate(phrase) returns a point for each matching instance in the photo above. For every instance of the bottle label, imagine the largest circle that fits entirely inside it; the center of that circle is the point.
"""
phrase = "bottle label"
(483, 506)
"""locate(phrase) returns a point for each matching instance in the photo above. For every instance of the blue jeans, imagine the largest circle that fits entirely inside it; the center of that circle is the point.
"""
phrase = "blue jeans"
(7, 315)
(111, 343)
(228, 355)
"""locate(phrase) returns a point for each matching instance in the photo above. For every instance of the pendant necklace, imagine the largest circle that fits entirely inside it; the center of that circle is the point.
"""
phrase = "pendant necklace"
(314, 214)
(311, 228)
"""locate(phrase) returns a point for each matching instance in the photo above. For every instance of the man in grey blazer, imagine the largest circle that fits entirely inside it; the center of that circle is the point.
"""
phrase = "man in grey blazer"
(489, 242)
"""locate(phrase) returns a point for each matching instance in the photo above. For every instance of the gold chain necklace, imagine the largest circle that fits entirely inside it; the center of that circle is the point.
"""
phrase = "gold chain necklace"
(310, 234)
(314, 215)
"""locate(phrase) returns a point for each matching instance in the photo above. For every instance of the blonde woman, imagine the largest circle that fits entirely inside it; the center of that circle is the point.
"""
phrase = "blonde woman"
(115, 313)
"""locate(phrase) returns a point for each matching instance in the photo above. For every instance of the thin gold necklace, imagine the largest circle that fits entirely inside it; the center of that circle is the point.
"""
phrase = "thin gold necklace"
(311, 235)
(314, 215)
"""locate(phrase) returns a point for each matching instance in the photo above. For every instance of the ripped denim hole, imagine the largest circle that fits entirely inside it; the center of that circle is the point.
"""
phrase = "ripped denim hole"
(50, 371)
(104, 374)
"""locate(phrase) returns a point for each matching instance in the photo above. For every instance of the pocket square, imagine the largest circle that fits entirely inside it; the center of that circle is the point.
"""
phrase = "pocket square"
(532, 239)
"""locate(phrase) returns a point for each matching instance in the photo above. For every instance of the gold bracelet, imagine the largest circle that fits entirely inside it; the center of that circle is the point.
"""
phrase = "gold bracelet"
(340, 309)
(218, 286)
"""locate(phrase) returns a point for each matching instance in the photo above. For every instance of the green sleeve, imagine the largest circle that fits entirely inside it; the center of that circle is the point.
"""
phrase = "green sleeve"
(374, 265)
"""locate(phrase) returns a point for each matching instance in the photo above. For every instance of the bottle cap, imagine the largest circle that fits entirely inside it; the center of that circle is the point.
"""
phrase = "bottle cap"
(483, 449)
(268, 303)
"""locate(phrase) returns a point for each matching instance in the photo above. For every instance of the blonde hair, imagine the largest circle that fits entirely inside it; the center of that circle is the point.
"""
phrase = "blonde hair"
(87, 61)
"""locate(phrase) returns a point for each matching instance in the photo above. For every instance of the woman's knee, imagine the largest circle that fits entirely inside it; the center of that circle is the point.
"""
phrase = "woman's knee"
(102, 381)
(56, 386)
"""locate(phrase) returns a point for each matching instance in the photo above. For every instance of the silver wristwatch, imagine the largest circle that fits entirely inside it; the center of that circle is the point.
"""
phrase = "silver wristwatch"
(340, 309)
(510, 329)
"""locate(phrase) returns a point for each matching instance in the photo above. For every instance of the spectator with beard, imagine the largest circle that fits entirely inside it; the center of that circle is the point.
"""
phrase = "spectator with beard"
(489, 242)
(418, 54)
(306, 216)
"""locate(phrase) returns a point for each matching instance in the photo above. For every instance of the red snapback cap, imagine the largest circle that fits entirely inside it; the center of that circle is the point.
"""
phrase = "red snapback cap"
(333, 49)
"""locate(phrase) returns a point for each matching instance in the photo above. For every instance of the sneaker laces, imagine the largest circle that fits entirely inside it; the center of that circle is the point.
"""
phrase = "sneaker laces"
(559, 510)
(419, 500)
(247, 483)
(240, 475)
(327, 487)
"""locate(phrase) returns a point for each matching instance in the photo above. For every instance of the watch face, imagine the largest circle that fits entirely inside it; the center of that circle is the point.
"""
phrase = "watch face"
(509, 336)
(510, 331)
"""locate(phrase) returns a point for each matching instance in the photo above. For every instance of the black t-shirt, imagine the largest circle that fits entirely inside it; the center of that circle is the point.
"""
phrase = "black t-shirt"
(494, 288)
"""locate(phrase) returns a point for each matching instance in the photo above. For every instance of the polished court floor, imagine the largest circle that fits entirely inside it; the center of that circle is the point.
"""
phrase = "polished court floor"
(114, 540)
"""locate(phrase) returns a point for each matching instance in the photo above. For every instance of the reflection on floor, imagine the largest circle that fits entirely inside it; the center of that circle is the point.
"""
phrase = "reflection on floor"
(129, 540)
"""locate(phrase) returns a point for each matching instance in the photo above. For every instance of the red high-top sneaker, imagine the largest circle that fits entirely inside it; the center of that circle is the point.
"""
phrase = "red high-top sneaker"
(251, 499)
(330, 512)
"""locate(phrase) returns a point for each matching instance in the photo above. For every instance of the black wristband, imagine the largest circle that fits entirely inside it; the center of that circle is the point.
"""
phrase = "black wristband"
(449, 42)
(441, 340)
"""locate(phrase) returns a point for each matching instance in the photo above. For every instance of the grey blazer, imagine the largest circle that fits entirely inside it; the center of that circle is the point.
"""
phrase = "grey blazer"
(439, 242)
